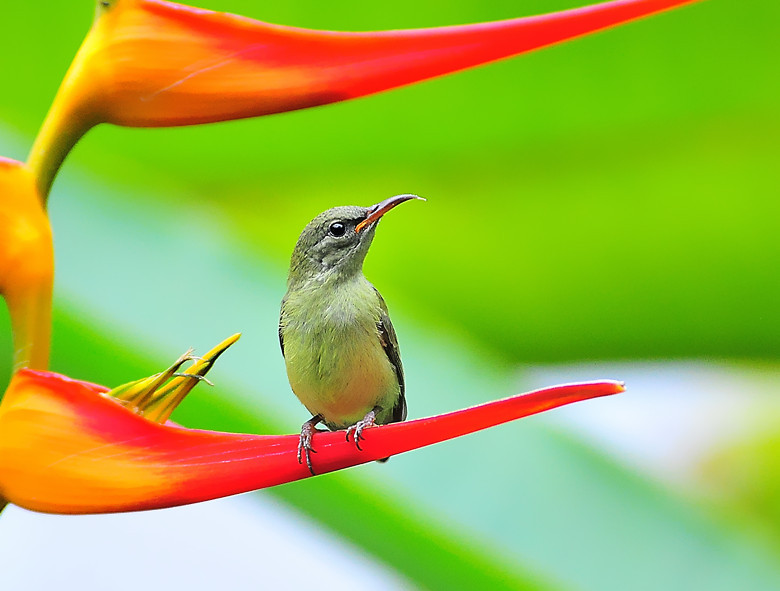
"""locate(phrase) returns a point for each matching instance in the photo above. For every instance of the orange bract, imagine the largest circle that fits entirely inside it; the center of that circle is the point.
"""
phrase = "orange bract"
(152, 63)
(65, 447)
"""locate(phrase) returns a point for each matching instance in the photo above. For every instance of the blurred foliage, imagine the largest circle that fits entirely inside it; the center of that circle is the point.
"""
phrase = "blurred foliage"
(611, 197)
(744, 478)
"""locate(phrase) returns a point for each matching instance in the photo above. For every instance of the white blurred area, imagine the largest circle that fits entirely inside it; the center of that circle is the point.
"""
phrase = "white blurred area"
(673, 415)
(251, 543)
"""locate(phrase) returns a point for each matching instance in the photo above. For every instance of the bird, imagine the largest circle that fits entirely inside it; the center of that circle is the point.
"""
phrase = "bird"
(339, 346)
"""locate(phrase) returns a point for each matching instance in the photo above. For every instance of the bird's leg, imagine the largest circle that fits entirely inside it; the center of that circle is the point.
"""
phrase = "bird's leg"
(367, 421)
(304, 443)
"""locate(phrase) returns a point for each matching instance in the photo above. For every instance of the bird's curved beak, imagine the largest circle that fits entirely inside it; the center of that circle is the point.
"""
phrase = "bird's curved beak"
(377, 211)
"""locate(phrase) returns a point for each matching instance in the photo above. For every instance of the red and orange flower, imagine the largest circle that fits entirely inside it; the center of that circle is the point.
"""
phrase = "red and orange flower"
(151, 63)
(68, 446)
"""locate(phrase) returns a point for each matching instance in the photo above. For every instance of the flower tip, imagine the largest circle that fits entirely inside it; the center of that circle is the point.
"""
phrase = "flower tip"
(157, 396)
(209, 358)
(609, 387)
(6, 162)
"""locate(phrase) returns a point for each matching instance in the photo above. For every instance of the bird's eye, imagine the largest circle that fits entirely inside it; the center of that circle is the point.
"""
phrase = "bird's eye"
(337, 229)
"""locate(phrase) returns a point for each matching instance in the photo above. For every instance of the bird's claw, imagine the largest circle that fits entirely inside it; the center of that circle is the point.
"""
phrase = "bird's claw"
(368, 421)
(304, 444)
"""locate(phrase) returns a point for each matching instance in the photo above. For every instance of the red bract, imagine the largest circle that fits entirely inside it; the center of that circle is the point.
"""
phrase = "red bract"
(65, 447)
(151, 63)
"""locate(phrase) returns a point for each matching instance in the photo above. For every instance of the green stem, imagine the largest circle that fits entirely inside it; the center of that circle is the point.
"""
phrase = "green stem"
(71, 115)
(61, 130)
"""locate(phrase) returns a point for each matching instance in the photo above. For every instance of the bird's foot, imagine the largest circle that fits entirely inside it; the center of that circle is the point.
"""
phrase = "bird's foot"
(367, 421)
(304, 443)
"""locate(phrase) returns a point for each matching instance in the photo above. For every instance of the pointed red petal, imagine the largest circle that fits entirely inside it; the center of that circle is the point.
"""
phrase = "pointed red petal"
(197, 66)
(65, 448)
(149, 63)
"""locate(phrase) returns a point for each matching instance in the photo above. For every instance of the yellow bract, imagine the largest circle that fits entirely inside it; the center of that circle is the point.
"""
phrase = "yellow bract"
(157, 396)
(26, 264)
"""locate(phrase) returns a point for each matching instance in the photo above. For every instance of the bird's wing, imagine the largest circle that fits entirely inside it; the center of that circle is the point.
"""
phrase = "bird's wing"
(281, 334)
(390, 343)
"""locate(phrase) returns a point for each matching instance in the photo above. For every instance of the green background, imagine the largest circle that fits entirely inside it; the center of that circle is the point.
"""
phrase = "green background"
(614, 197)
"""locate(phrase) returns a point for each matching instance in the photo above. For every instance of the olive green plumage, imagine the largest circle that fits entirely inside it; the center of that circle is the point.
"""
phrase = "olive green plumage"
(339, 345)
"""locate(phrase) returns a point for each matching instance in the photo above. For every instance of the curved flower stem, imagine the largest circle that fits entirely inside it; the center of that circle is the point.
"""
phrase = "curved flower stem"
(72, 113)
(60, 132)
(26, 264)
(30, 311)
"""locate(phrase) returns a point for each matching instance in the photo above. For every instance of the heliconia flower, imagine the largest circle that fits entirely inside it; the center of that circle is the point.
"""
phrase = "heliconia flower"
(68, 446)
(26, 264)
(150, 63)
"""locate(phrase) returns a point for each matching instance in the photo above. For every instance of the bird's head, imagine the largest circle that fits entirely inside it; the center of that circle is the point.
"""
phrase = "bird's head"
(335, 243)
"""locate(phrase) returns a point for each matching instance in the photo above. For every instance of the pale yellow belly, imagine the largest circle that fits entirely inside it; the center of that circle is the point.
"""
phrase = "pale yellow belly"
(335, 360)
(347, 385)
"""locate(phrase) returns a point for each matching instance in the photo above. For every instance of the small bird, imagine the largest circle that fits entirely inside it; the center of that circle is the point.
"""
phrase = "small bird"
(337, 340)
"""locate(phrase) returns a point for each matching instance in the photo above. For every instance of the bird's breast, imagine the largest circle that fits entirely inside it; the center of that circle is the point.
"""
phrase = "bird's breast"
(335, 360)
